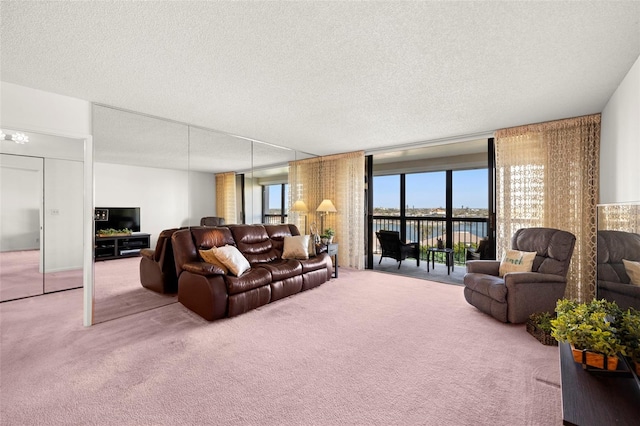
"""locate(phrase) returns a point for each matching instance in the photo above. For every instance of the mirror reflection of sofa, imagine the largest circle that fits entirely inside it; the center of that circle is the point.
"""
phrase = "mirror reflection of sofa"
(614, 283)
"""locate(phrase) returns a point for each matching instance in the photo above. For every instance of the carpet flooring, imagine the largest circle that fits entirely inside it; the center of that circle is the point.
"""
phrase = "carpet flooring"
(118, 291)
(367, 349)
(20, 276)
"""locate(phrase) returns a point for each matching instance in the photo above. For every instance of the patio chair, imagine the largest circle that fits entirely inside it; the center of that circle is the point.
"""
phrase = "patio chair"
(396, 249)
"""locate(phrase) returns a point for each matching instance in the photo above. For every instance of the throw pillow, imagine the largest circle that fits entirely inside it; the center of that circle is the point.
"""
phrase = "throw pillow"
(210, 257)
(516, 261)
(633, 270)
(232, 259)
(296, 247)
(312, 246)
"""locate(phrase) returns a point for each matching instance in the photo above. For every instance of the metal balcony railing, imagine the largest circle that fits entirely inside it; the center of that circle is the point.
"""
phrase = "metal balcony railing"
(426, 230)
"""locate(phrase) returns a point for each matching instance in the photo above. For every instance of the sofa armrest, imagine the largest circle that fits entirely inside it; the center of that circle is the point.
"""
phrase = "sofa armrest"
(148, 253)
(488, 267)
(202, 268)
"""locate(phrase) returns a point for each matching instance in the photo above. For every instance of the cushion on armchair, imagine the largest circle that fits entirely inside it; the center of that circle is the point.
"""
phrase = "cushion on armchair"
(516, 261)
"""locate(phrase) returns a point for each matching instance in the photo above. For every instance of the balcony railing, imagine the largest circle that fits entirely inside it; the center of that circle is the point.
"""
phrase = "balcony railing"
(274, 219)
(426, 230)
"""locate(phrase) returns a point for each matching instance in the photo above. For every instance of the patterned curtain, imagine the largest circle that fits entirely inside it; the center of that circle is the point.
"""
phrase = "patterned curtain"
(339, 178)
(226, 196)
(547, 175)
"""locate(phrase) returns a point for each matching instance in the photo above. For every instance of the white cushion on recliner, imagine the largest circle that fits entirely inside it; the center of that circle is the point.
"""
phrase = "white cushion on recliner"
(209, 256)
(232, 259)
(516, 261)
(633, 270)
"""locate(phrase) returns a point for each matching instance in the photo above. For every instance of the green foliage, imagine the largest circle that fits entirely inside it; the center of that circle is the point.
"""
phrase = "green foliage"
(328, 233)
(542, 320)
(630, 333)
(111, 231)
(598, 326)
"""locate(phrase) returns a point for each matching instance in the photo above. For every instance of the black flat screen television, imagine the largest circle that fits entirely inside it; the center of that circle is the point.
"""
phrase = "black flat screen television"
(117, 218)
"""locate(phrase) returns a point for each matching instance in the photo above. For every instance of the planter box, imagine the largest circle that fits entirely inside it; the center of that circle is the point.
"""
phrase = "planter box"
(119, 234)
(542, 336)
(594, 359)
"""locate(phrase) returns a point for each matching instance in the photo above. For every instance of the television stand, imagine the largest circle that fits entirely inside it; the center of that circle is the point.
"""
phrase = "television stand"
(117, 247)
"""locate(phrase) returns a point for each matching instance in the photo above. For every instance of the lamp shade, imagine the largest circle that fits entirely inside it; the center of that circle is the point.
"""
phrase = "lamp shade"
(299, 206)
(326, 206)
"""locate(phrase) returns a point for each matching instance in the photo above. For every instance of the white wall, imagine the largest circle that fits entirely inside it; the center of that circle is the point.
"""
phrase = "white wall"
(24, 108)
(202, 196)
(620, 142)
(163, 195)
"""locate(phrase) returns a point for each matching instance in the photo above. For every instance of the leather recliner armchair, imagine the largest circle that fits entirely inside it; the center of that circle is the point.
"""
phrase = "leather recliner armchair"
(613, 281)
(212, 221)
(157, 267)
(517, 295)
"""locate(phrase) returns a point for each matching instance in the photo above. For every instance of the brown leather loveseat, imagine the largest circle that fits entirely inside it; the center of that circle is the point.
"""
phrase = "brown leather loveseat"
(211, 293)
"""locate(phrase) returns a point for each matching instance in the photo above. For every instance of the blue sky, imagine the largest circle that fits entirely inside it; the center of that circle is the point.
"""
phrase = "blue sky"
(428, 189)
(423, 190)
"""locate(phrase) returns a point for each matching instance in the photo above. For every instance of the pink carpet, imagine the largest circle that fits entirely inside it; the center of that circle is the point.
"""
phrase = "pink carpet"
(20, 276)
(367, 348)
(118, 292)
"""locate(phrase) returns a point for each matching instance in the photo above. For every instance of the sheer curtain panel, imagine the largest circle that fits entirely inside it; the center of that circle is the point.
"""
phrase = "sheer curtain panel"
(547, 175)
(226, 196)
(339, 178)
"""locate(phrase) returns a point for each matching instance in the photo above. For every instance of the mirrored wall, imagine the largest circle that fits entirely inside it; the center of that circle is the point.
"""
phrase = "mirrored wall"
(41, 232)
(166, 170)
(618, 257)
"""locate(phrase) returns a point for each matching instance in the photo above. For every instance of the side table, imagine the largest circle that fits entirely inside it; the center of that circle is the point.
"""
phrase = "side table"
(332, 250)
(448, 254)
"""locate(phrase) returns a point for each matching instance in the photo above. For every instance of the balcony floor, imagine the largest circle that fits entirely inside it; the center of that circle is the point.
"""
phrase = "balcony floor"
(409, 269)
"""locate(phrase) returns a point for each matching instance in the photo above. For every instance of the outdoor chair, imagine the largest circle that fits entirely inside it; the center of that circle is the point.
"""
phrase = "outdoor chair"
(396, 249)
(481, 252)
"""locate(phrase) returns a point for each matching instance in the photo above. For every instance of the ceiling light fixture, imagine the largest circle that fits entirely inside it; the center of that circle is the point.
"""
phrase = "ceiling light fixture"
(17, 137)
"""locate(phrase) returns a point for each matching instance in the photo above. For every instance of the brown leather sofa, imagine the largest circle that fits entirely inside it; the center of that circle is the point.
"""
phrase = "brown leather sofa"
(613, 281)
(157, 267)
(208, 291)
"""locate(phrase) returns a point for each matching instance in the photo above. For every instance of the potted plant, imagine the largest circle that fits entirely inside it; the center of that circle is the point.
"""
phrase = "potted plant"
(539, 326)
(592, 330)
(630, 335)
(327, 236)
(110, 232)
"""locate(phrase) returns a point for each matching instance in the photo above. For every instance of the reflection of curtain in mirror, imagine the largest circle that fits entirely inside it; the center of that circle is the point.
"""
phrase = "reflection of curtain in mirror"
(339, 178)
(226, 196)
(619, 217)
(547, 175)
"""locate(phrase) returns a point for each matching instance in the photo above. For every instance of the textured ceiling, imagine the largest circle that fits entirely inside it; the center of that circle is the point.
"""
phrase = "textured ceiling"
(327, 77)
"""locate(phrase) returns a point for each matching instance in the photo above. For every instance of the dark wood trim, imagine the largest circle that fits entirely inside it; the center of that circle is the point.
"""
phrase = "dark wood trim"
(449, 208)
(403, 207)
(369, 209)
(491, 173)
(282, 204)
(244, 217)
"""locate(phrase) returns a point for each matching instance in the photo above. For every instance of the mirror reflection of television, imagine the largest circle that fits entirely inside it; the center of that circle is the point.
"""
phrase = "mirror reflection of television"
(117, 218)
